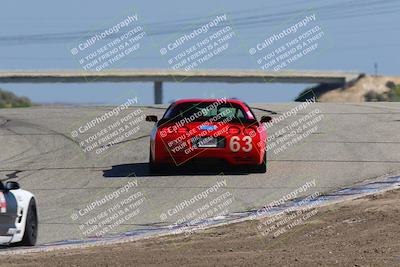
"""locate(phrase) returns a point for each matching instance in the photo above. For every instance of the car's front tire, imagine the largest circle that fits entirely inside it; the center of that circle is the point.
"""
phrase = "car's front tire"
(31, 225)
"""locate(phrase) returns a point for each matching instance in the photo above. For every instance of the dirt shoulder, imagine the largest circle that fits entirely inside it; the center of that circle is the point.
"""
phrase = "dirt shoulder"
(357, 233)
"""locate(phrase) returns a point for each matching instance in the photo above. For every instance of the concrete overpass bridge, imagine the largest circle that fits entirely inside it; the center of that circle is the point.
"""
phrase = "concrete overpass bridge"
(158, 77)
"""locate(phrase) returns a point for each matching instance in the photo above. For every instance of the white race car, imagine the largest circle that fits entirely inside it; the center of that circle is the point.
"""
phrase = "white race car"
(18, 216)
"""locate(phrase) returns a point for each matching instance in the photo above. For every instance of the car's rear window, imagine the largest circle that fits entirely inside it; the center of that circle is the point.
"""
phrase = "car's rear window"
(206, 111)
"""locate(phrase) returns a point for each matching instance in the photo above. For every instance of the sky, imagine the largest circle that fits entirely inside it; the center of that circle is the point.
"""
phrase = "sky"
(39, 35)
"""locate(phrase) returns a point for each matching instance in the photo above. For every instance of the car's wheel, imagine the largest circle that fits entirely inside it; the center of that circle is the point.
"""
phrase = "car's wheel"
(151, 163)
(31, 225)
(154, 167)
(261, 168)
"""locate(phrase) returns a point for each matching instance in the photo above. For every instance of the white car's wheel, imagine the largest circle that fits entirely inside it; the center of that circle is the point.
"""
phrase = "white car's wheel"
(31, 226)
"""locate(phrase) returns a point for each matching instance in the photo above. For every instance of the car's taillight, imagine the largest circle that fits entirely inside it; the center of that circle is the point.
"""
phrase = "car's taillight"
(250, 131)
(183, 130)
(170, 130)
(3, 203)
(233, 130)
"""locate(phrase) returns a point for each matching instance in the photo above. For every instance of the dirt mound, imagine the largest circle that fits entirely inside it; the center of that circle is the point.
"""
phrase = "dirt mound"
(365, 88)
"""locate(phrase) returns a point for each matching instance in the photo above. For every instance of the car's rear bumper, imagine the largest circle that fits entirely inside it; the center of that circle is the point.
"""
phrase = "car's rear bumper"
(209, 156)
(241, 148)
(6, 234)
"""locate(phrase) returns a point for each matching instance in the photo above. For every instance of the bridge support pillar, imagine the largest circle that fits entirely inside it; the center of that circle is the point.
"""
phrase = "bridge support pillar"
(158, 95)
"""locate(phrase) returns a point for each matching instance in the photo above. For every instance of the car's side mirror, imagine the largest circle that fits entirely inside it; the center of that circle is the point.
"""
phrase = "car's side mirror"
(12, 186)
(152, 118)
(265, 119)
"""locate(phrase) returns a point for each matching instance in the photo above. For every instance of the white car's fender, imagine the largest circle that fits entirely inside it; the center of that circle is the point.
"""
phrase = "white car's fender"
(23, 199)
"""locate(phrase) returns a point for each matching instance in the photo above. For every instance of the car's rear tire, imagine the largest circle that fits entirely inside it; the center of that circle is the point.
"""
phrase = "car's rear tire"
(154, 167)
(31, 225)
(151, 163)
(261, 168)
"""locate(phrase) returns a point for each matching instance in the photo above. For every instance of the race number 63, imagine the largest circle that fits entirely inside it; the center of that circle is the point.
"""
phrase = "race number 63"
(234, 144)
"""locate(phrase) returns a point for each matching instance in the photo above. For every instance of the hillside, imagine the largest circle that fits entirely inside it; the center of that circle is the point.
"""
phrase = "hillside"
(365, 88)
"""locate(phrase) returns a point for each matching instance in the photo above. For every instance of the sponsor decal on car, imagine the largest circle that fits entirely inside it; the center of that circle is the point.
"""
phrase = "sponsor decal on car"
(208, 127)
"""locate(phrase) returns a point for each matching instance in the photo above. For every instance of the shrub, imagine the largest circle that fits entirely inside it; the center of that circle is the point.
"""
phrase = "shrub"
(10, 100)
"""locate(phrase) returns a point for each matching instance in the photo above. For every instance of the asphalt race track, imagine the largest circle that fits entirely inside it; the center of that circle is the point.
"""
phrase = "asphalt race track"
(352, 142)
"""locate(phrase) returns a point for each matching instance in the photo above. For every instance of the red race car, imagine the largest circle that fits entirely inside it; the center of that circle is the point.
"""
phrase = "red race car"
(208, 130)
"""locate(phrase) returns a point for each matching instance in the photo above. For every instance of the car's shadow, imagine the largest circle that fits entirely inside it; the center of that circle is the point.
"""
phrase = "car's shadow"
(143, 170)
